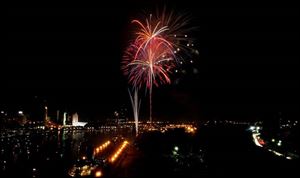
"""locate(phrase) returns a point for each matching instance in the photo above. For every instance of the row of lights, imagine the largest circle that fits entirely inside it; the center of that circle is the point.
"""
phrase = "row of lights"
(102, 147)
(119, 151)
(190, 129)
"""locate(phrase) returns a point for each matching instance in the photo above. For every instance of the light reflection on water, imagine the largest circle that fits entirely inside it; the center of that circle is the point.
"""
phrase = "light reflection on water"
(37, 153)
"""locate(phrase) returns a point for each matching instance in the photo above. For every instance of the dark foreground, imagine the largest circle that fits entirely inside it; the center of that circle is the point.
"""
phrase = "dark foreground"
(211, 151)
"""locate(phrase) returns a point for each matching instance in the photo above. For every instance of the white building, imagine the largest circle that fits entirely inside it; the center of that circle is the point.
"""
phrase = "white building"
(75, 121)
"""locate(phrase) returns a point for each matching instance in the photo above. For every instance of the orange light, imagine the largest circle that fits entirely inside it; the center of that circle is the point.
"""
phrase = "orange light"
(102, 147)
(98, 174)
(119, 151)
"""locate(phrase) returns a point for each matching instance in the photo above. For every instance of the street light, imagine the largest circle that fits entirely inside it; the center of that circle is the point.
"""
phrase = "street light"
(176, 148)
(279, 143)
(98, 174)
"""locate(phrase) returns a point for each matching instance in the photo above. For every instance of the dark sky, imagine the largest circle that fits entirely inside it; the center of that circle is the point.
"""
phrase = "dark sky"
(248, 62)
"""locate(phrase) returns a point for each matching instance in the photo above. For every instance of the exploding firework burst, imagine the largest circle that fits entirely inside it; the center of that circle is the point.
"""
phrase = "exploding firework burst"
(160, 43)
(168, 29)
(152, 66)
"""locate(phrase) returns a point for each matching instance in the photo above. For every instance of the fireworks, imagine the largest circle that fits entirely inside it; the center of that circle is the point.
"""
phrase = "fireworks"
(158, 46)
(152, 65)
(135, 102)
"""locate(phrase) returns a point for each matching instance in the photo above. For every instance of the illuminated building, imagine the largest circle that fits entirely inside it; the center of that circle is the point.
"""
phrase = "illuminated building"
(75, 121)
(64, 119)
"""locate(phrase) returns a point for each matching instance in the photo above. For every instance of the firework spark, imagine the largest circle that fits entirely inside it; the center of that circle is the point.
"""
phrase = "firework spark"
(135, 102)
(159, 43)
(152, 66)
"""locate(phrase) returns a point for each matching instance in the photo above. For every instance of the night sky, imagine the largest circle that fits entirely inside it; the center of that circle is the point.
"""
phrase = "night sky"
(248, 64)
